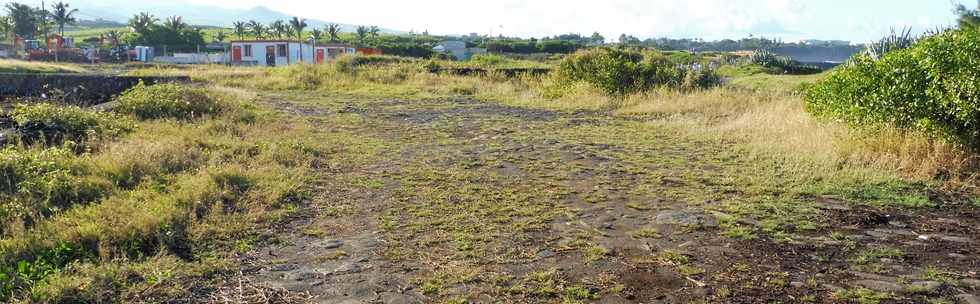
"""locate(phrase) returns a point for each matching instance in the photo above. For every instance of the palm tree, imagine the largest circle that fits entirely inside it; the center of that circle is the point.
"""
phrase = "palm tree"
(299, 24)
(6, 26)
(175, 23)
(968, 18)
(362, 34)
(374, 31)
(257, 29)
(240, 29)
(333, 30)
(316, 34)
(279, 28)
(113, 37)
(220, 36)
(62, 15)
(141, 23)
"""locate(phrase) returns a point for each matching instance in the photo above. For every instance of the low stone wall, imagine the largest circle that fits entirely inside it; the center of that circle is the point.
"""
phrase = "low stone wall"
(511, 72)
(77, 89)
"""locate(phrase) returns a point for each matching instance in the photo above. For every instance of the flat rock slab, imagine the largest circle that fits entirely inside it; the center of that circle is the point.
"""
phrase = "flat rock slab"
(968, 299)
(873, 277)
(955, 239)
(970, 283)
(880, 285)
(687, 218)
(925, 286)
(331, 244)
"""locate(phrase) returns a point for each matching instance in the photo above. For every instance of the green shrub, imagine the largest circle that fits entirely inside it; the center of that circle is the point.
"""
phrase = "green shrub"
(776, 64)
(698, 78)
(619, 72)
(37, 183)
(931, 87)
(168, 101)
(489, 60)
(53, 124)
(27, 272)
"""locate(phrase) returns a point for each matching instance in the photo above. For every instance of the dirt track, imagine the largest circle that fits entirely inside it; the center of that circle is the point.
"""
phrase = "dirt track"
(458, 200)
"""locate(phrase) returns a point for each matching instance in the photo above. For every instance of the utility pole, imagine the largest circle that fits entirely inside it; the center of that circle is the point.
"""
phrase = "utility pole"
(44, 23)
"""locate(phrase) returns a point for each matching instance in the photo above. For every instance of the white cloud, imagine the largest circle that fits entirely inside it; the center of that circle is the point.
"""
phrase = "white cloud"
(857, 20)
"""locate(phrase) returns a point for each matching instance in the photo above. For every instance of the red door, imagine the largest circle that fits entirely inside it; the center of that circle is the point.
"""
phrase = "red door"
(319, 56)
(236, 54)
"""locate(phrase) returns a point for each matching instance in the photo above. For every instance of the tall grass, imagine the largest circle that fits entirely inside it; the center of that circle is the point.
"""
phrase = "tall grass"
(173, 193)
(777, 124)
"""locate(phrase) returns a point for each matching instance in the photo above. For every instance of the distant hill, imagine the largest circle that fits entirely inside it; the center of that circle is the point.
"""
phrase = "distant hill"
(111, 13)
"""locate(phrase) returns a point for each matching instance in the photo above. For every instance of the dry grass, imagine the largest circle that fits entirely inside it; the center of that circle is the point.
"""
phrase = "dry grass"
(28, 67)
(777, 124)
(177, 187)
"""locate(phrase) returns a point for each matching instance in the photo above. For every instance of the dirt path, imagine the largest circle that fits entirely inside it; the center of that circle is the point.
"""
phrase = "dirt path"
(460, 201)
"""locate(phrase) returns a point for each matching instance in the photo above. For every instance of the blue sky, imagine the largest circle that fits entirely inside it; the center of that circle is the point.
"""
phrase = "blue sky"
(791, 20)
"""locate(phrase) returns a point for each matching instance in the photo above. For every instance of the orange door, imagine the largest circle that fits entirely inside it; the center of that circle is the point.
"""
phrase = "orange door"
(236, 54)
(319, 56)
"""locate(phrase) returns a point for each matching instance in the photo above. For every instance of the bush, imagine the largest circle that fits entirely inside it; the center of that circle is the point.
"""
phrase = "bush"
(488, 61)
(53, 124)
(931, 87)
(620, 72)
(776, 64)
(168, 101)
(699, 78)
(37, 183)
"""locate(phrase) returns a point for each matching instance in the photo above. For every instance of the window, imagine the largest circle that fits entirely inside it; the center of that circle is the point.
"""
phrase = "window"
(282, 50)
(248, 50)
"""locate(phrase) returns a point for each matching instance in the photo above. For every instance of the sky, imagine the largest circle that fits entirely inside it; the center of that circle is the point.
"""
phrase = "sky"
(855, 20)
(790, 20)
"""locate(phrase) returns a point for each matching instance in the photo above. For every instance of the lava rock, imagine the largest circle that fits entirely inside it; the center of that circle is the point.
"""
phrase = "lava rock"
(688, 218)
(332, 244)
(880, 285)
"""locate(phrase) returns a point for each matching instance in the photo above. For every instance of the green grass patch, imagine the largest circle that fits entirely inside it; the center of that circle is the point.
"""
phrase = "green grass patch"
(862, 296)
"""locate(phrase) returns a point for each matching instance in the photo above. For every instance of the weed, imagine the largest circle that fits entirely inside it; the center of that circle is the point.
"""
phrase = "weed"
(862, 296)
(673, 258)
(647, 233)
(596, 253)
(740, 232)
(578, 293)
(936, 274)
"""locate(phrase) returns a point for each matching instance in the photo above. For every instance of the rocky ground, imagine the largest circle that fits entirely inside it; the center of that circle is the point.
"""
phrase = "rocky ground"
(456, 201)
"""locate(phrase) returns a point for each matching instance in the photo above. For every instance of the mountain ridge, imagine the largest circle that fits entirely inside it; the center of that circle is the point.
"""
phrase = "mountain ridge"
(194, 14)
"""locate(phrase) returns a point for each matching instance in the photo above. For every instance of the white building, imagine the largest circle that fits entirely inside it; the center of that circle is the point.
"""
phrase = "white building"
(458, 50)
(284, 52)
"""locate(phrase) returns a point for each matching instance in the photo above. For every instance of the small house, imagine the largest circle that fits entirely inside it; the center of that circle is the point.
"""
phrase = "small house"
(458, 50)
(284, 52)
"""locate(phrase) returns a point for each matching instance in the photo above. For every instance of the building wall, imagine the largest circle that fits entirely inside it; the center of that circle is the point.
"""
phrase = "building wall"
(296, 52)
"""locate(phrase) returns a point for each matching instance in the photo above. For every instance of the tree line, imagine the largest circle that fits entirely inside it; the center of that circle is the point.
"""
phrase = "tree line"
(30, 23)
